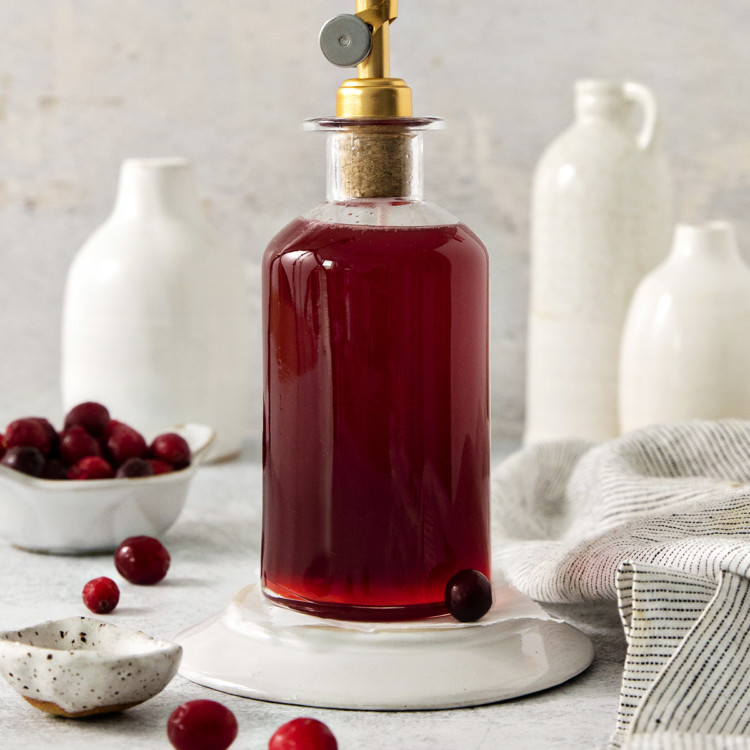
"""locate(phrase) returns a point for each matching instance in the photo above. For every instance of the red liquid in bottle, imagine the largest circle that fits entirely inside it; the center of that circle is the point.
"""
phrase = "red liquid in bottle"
(376, 417)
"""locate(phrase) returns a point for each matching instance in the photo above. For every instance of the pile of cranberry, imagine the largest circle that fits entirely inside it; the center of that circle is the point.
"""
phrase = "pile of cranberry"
(91, 445)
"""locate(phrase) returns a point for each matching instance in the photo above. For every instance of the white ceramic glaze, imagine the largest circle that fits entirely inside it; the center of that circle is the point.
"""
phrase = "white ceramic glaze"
(80, 666)
(601, 218)
(94, 515)
(685, 350)
(156, 321)
(259, 650)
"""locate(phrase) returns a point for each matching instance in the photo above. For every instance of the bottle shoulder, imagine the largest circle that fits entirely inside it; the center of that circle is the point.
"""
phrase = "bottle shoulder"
(389, 212)
(372, 243)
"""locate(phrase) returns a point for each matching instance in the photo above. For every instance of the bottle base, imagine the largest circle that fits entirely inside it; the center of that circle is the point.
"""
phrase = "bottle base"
(356, 612)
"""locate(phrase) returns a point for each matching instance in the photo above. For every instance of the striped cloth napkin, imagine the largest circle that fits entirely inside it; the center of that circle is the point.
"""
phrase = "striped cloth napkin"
(658, 519)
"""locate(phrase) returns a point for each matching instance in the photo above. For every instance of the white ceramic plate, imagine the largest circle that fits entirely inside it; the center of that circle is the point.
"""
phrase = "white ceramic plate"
(258, 650)
(94, 515)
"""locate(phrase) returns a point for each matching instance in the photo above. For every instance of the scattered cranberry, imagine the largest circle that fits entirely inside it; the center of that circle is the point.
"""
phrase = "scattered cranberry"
(101, 595)
(303, 734)
(24, 459)
(202, 725)
(172, 449)
(159, 467)
(135, 467)
(142, 560)
(123, 442)
(468, 595)
(76, 444)
(54, 468)
(93, 417)
(91, 467)
(28, 432)
(3, 446)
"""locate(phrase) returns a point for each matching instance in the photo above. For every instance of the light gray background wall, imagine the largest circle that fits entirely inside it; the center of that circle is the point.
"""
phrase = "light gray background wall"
(86, 83)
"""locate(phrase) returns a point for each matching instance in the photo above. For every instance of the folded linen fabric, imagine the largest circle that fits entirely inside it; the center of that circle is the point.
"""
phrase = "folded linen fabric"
(660, 520)
(686, 680)
(567, 514)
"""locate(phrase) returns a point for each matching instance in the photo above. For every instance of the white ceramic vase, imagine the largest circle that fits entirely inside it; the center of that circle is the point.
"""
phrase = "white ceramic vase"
(601, 218)
(156, 315)
(685, 350)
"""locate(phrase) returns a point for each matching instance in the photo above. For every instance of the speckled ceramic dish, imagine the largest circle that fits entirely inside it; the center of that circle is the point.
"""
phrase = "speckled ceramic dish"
(81, 666)
(73, 517)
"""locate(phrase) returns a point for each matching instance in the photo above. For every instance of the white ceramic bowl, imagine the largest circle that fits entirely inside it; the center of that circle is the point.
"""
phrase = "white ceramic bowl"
(73, 517)
(80, 666)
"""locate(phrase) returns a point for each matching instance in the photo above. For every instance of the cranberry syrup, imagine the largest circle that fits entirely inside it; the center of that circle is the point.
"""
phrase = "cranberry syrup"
(376, 417)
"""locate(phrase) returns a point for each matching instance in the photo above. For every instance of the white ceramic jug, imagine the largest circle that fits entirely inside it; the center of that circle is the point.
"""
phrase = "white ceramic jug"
(155, 316)
(685, 351)
(601, 218)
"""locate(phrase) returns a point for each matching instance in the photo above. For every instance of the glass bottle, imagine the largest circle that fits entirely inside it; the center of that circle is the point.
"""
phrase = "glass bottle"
(376, 397)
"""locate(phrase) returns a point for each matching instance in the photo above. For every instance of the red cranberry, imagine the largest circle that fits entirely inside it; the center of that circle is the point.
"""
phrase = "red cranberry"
(135, 467)
(101, 595)
(172, 449)
(91, 467)
(93, 417)
(3, 445)
(303, 734)
(51, 432)
(159, 467)
(202, 725)
(76, 444)
(123, 442)
(29, 432)
(54, 468)
(142, 560)
(468, 595)
(24, 459)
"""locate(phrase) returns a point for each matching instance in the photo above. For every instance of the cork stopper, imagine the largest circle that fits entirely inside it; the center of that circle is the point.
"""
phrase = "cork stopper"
(375, 164)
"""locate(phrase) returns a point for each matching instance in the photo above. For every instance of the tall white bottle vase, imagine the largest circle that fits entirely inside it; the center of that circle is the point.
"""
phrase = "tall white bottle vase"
(685, 351)
(156, 312)
(601, 218)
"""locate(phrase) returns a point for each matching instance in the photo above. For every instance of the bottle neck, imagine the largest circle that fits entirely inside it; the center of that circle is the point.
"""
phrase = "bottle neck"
(367, 163)
(712, 241)
(156, 186)
(598, 101)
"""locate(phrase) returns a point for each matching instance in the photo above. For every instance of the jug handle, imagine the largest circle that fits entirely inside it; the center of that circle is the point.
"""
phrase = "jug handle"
(643, 96)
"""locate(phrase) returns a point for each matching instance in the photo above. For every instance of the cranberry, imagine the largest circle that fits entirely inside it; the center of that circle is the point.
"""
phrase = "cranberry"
(28, 432)
(3, 445)
(93, 417)
(172, 449)
(202, 725)
(25, 459)
(303, 734)
(54, 468)
(135, 467)
(123, 442)
(101, 595)
(159, 467)
(142, 560)
(91, 467)
(468, 595)
(51, 432)
(76, 444)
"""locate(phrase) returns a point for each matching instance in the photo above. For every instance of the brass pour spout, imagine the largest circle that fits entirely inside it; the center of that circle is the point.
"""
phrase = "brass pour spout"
(374, 93)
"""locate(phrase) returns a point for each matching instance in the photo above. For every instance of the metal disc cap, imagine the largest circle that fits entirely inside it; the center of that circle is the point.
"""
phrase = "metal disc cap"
(346, 40)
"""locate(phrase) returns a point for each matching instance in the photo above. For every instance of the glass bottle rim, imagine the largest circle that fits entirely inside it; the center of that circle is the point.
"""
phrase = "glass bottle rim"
(350, 123)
